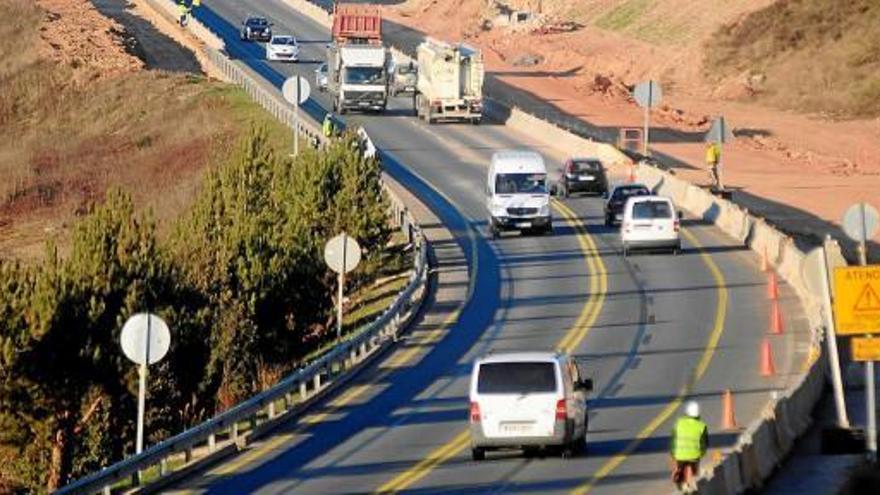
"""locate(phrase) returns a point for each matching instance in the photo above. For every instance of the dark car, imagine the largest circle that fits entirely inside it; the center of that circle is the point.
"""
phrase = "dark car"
(583, 175)
(256, 29)
(617, 200)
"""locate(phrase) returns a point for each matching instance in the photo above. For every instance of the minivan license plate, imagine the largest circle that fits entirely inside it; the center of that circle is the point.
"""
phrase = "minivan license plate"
(587, 177)
(524, 225)
(516, 428)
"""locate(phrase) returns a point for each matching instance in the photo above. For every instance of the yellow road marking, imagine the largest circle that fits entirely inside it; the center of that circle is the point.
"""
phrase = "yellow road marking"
(672, 406)
(573, 337)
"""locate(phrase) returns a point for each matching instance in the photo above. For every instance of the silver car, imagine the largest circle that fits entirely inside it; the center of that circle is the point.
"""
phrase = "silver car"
(282, 49)
(321, 77)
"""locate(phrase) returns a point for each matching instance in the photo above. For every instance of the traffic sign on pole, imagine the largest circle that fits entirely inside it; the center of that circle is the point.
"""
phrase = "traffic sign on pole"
(648, 95)
(865, 349)
(296, 91)
(857, 299)
(342, 254)
(860, 222)
(145, 340)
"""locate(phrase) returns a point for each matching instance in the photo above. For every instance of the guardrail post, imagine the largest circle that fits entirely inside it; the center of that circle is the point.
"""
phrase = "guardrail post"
(163, 467)
(212, 442)
(317, 381)
(271, 410)
(352, 356)
(303, 390)
(234, 432)
(106, 490)
(253, 423)
(188, 454)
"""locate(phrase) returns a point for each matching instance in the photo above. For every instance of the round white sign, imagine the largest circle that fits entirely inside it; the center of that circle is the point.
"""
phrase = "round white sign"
(648, 94)
(288, 90)
(145, 338)
(342, 253)
(860, 222)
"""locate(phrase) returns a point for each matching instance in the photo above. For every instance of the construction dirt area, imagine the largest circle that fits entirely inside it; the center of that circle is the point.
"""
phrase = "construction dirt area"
(585, 56)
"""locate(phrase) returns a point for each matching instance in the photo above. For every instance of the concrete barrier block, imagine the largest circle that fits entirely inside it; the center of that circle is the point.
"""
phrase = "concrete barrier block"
(732, 477)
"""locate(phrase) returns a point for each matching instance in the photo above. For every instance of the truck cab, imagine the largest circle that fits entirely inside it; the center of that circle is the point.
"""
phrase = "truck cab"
(517, 195)
(357, 74)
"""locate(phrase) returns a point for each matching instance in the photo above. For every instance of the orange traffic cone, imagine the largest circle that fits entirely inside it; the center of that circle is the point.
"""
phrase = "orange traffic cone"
(765, 265)
(775, 318)
(767, 366)
(772, 286)
(728, 418)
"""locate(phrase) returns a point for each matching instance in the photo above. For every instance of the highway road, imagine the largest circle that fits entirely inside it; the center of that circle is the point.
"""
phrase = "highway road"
(657, 328)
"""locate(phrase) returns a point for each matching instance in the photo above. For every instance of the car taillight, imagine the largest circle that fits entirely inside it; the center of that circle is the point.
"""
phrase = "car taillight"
(569, 168)
(675, 226)
(475, 412)
(561, 412)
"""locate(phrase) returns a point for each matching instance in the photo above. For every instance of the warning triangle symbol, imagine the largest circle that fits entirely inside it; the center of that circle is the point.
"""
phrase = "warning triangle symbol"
(868, 300)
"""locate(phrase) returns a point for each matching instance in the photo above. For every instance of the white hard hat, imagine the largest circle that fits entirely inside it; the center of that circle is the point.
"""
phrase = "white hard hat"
(692, 409)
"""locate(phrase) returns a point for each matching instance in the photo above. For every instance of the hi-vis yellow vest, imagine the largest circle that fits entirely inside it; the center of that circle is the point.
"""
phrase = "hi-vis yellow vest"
(687, 439)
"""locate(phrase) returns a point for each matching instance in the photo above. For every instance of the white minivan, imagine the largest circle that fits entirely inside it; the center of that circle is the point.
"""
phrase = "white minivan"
(650, 222)
(518, 197)
(528, 400)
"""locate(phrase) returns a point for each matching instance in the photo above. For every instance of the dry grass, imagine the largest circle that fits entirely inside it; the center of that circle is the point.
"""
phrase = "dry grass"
(150, 133)
(813, 55)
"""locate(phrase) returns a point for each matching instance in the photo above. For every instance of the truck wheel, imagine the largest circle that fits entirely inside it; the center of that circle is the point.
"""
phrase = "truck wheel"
(475, 121)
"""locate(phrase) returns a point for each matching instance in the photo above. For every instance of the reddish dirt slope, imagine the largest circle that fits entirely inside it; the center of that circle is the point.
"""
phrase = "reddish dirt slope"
(806, 161)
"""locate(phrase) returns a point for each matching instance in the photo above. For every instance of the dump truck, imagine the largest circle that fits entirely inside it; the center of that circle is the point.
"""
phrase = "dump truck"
(450, 83)
(357, 75)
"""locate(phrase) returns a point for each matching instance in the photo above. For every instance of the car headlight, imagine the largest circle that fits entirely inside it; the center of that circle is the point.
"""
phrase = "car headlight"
(544, 210)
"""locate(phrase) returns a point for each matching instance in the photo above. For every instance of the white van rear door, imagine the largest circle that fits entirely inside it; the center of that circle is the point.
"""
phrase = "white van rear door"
(518, 399)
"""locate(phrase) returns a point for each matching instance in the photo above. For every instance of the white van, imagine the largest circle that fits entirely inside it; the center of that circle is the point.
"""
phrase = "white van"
(650, 222)
(527, 400)
(517, 193)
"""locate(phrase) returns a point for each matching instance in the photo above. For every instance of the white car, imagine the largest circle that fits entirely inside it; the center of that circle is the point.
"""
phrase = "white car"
(321, 77)
(650, 222)
(282, 48)
(528, 400)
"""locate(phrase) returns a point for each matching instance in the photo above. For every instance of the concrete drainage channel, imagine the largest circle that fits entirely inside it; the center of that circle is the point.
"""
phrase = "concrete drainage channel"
(223, 435)
(765, 443)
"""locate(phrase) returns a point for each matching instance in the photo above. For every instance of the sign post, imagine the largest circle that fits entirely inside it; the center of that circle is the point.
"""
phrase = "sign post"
(342, 254)
(648, 95)
(145, 340)
(859, 296)
(815, 274)
(296, 91)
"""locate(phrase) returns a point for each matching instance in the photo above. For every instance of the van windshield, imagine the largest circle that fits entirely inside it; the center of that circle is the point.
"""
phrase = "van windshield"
(516, 378)
(651, 210)
(521, 183)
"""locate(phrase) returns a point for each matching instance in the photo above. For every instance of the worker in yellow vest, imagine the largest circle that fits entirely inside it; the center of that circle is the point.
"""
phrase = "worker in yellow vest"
(713, 158)
(690, 439)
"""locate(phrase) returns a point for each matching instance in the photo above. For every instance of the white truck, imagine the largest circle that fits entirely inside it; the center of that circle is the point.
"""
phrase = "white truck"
(357, 62)
(450, 83)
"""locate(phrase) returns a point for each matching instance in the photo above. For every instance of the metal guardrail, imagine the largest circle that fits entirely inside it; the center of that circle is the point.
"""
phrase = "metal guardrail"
(295, 391)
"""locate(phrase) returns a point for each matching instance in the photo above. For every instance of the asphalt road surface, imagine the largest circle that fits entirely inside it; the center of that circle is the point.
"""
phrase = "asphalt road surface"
(658, 328)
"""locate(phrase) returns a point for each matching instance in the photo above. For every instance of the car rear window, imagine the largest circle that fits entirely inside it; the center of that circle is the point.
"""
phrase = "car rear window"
(586, 165)
(625, 192)
(516, 378)
(651, 210)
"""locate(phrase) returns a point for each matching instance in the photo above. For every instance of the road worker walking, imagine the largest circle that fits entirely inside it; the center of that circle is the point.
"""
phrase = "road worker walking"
(713, 158)
(690, 438)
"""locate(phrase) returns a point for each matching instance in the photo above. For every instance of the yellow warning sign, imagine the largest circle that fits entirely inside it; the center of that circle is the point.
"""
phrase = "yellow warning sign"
(857, 299)
(865, 349)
